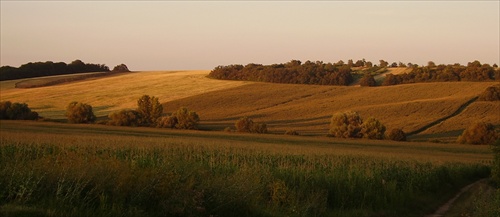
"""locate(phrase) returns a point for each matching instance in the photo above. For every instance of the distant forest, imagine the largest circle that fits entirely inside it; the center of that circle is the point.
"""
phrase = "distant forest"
(293, 72)
(340, 73)
(40, 69)
(474, 71)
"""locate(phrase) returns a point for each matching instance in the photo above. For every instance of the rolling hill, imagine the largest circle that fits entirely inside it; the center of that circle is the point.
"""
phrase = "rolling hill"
(304, 108)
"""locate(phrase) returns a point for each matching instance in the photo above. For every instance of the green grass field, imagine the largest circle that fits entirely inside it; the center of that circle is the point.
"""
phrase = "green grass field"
(50, 169)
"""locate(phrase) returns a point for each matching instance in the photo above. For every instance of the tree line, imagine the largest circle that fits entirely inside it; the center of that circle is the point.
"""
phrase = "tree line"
(293, 72)
(340, 73)
(49, 68)
(474, 71)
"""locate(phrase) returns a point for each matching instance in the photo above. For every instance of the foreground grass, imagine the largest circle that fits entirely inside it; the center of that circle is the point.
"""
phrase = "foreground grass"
(74, 170)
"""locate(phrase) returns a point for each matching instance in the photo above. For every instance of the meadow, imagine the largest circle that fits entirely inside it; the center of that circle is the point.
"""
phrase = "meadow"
(51, 169)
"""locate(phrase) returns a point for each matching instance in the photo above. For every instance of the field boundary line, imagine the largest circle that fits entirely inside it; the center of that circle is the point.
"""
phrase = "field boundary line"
(436, 122)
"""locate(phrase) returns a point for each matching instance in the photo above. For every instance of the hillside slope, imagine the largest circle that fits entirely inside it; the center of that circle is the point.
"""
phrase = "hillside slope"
(305, 108)
(109, 94)
(308, 108)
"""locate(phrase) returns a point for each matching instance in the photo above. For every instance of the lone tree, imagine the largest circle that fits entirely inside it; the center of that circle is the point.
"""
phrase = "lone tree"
(396, 135)
(479, 133)
(121, 68)
(149, 109)
(79, 113)
(490, 94)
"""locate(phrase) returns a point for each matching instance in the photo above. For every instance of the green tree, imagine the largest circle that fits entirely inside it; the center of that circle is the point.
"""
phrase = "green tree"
(367, 81)
(247, 125)
(125, 117)
(396, 135)
(479, 133)
(346, 125)
(16, 111)
(372, 129)
(167, 122)
(149, 109)
(186, 119)
(383, 63)
(80, 113)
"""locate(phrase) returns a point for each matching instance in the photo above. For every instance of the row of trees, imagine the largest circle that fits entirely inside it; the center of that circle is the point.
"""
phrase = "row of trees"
(149, 113)
(351, 125)
(293, 72)
(39, 69)
(16, 111)
(474, 71)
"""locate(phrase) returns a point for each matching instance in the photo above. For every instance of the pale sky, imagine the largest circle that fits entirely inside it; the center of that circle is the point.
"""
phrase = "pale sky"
(173, 35)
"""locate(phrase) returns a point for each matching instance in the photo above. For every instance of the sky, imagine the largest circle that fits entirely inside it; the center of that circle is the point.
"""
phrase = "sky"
(179, 35)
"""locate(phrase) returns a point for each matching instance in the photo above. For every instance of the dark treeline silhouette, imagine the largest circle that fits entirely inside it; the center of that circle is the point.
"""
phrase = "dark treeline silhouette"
(474, 71)
(293, 72)
(40, 69)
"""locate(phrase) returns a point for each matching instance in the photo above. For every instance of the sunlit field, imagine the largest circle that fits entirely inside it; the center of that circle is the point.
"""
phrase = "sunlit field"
(50, 169)
(304, 108)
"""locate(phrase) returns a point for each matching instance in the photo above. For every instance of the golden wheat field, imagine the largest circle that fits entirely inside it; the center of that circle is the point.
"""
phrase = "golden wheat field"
(113, 93)
(304, 108)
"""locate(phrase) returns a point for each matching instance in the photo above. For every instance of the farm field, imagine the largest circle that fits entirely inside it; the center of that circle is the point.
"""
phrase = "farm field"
(304, 108)
(55, 169)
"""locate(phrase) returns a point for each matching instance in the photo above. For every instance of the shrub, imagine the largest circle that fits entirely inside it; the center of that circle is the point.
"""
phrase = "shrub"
(372, 129)
(490, 94)
(150, 110)
(244, 125)
(79, 113)
(186, 119)
(346, 125)
(167, 122)
(124, 117)
(478, 133)
(259, 128)
(397, 135)
(247, 125)
(16, 111)
(367, 81)
(291, 132)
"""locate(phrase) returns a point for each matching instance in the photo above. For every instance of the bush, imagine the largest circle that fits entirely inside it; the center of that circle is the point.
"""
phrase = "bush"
(149, 109)
(479, 133)
(490, 94)
(346, 125)
(167, 122)
(291, 132)
(372, 129)
(16, 111)
(247, 125)
(124, 117)
(186, 119)
(397, 135)
(367, 81)
(79, 113)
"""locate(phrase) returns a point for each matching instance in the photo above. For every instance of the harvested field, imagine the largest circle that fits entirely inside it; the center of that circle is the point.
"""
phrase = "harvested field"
(304, 108)
(109, 94)
(308, 108)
